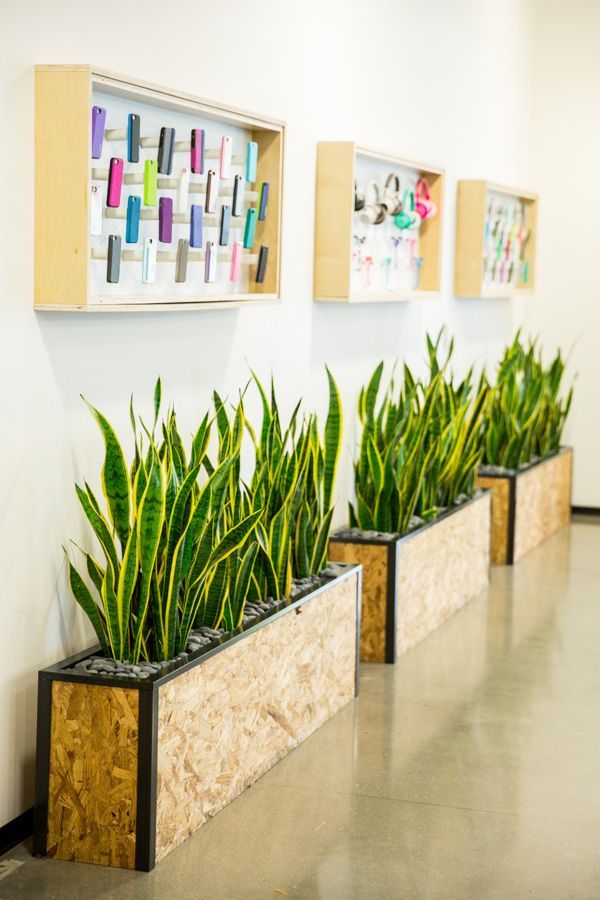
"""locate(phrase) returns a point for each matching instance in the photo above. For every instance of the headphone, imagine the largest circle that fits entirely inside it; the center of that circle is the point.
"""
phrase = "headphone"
(374, 212)
(425, 207)
(409, 217)
(359, 199)
(391, 195)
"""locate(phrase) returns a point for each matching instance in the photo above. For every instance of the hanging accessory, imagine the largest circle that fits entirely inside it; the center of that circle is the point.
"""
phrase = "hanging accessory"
(374, 212)
(250, 228)
(183, 187)
(391, 195)
(225, 158)
(113, 266)
(181, 261)
(150, 182)
(133, 138)
(237, 206)
(210, 263)
(98, 123)
(212, 189)
(165, 220)
(359, 199)
(409, 217)
(251, 161)
(225, 223)
(96, 210)
(424, 205)
(115, 182)
(197, 151)
(196, 213)
(263, 257)
(236, 262)
(262, 201)
(149, 261)
(132, 228)
(165, 150)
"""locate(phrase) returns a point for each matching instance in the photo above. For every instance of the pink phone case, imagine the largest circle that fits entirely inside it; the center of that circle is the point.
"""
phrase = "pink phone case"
(236, 261)
(115, 182)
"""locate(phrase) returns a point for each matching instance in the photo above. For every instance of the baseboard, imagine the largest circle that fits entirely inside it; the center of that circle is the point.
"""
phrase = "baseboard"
(16, 831)
(585, 510)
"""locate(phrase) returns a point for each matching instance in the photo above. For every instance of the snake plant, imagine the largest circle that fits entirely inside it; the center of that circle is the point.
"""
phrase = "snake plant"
(419, 448)
(186, 542)
(526, 413)
(169, 545)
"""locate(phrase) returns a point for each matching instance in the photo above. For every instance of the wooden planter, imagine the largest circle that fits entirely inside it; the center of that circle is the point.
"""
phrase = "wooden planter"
(529, 505)
(128, 769)
(413, 583)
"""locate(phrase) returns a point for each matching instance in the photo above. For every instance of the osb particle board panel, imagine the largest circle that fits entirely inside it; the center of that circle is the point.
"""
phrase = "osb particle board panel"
(543, 502)
(224, 723)
(374, 559)
(439, 570)
(500, 488)
(92, 791)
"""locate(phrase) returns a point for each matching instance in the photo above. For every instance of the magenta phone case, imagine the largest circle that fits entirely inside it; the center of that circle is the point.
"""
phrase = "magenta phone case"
(115, 182)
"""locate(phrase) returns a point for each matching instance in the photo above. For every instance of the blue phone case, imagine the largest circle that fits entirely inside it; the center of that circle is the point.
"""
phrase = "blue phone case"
(133, 138)
(263, 200)
(196, 214)
(132, 229)
(251, 161)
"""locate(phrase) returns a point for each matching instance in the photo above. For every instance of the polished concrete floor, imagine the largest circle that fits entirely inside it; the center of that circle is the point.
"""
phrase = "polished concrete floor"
(471, 769)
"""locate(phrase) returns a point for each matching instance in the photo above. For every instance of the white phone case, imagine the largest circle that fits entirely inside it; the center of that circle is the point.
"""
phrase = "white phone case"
(225, 158)
(96, 210)
(183, 189)
(149, 261)
(210, 262)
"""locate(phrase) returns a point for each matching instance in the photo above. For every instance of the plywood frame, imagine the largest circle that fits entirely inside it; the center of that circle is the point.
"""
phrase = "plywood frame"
(413, 583)
(62, 182)
(333, 225)
(471, 209)
(128, 769)
(529, 505)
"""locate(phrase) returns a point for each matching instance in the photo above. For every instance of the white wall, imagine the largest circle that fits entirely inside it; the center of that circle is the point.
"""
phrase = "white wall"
(445, 82)
(565, 151)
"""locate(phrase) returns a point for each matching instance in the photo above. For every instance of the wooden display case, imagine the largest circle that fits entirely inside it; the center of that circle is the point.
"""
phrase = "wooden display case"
(337, 164)
(70, 265)
(472, 210)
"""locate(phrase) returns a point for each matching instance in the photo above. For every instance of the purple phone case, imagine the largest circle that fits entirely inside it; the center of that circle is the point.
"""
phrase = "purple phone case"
(165, 220)
(98, 123)
(196, 213)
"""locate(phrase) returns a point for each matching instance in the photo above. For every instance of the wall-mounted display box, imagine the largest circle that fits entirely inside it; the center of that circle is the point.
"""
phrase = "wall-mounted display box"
(371, 244)
(495, 240)
(149, 198)
(378, 225)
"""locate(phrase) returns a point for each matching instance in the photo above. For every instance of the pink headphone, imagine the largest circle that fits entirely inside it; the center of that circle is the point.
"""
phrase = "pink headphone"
(423, 203)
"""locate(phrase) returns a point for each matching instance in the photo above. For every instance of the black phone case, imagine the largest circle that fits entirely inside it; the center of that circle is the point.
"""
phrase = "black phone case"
(262, 264)
(113, 266)
(165, 150)
(225, 223)
(133, 145)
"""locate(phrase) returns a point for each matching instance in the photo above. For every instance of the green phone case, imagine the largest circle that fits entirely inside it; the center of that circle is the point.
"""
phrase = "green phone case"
(150, 180)
(250, 228)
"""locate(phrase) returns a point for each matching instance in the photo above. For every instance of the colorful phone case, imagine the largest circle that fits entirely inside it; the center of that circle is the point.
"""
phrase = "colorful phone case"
(183, 188)
(210, 262)
(165, 220)
(149, 261)
(132, 228)
(98, 123)
(115, 182)
(263, 200)
(225, 158)
(150, 182)
(95, 210)
(237, 205)
(113, 266)
(196, 214)
(165, 150)
(236, 262)
(250, 228)
(225, 223)
(133, 138)
(212, 190)
(251, 161)
(197, 151)
(263, 257)
(182, 261)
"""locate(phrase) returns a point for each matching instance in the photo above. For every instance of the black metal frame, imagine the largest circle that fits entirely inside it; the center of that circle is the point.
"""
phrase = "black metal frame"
(393, 543)
(148, 691)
